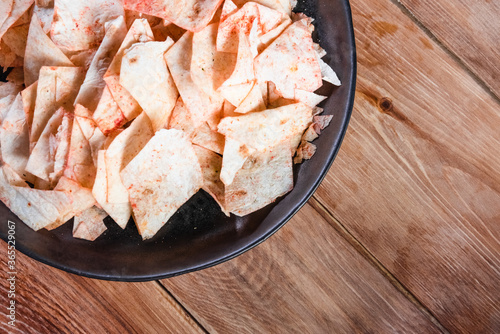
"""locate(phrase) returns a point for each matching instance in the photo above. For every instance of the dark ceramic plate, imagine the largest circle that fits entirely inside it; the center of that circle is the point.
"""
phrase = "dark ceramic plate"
(199, 235)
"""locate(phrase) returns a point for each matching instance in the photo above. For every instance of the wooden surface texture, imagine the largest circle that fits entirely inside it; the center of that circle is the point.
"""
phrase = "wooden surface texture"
(402, 236)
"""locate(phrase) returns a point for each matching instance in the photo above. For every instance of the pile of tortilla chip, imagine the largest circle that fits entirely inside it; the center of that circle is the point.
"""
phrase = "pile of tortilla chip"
(128, 108)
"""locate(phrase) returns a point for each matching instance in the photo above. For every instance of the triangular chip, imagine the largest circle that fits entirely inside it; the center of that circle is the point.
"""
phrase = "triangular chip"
(235, 155)
(81, 200)
(265, 176)
(192, 15)
(139, 32)
(16, 37)
(201, 106)
(44, 208)
(120, 212)
(210, 68)
(89, 225)
(41, 160)
(80, 166)
(236, 94)
(90, 130)
(181, 119)
(253, 101)
(308, 98)
(241, 22)
(15, 10)
(121, 151)
(290, 62)
(211, 164)
(40, 51)
(57, 87)
(62, 147)
(45, 13)
(93, 86)
(145, 75)
(108, 115)
(79, 25)
(162, 177)
(14, 138)
(209, 139)
(268, 128)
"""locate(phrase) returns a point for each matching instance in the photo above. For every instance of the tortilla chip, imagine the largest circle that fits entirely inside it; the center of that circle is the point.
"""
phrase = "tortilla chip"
(57, 87)
(81, 200)
(7, 100)
(12, 177)
(244, 70)
(40, 51)
(7, 56)
(269, 128)
(253, 102)
(283, 6)
(266, 39)
(62, 140)
(321, 122)
(79, 25)
(305, 151)
(41, 160)
(192, 15)
(132, 15)
(210, 68)
(29, 99)
(9, 89)
(5, 10)
(90, 130)
(121, 151)
(108, 115)
(80, 166)
(290, 62)
(16, 76)
(145, 75)
(162, 177)
(211, 164)
(236, 94)
(119, 212)
(82, 58)
(89, 225)
(14, 12)
(93, 86)
(140, 32)
(15, 38)
(14, 138)
(234, 157)
(251, 16)
(209, 139)
(308, 98)
(328, 74)
(181, 119)
(41, 208)
(45, 13)
(201, 106)
(265, 176)
(228, 110)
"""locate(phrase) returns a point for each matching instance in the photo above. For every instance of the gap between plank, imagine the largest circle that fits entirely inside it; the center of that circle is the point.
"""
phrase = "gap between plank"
(182, 307)
(450, 53)
(360, 248)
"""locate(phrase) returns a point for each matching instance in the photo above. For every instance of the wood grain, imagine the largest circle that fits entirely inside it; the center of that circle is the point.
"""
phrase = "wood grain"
(305, 279)
(470, 29)
(52, 301)
(417, 180)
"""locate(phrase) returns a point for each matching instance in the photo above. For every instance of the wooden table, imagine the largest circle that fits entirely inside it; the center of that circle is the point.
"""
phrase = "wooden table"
(402, 236)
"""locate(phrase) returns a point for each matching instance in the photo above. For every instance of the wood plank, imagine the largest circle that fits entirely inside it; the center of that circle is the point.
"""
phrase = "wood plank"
(52, 301)
(305, 279)
(417, 180)
(469, 29)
